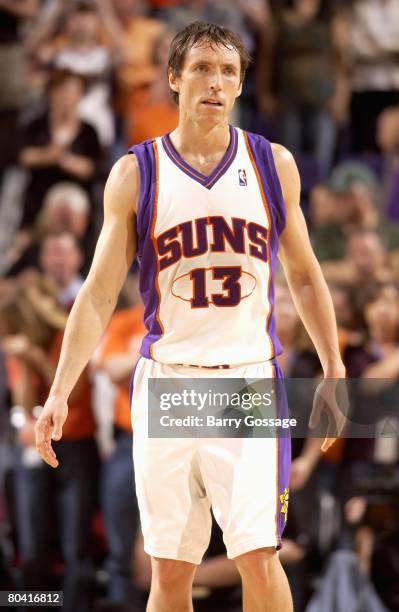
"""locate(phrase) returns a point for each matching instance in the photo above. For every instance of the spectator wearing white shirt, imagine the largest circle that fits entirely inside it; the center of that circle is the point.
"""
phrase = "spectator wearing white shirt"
(374, 67)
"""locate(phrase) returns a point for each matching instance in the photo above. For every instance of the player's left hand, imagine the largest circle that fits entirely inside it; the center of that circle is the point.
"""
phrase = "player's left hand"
(325, 401)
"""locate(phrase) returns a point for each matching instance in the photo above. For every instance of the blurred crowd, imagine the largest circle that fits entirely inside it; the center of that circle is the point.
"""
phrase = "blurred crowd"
(82, 81)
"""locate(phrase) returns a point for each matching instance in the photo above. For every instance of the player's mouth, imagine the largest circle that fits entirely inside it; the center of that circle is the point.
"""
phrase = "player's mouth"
(212, 102)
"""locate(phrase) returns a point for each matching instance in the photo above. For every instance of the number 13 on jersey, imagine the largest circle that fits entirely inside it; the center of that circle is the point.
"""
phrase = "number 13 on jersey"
(222, 286)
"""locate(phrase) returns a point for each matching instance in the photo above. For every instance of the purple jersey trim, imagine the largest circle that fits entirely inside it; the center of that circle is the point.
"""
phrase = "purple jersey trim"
(217, 173)
(283, 441)
(131, 385)
(146, 255)
(263, 158)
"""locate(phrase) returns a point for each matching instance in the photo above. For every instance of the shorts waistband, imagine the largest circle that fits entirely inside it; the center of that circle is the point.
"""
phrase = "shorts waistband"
(223, 366)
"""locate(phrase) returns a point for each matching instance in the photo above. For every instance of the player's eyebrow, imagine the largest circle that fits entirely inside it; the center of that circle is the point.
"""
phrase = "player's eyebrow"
(209, 63)
(201, 62)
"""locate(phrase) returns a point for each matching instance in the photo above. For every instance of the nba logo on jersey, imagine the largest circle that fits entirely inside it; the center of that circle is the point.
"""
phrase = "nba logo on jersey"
(242, 177)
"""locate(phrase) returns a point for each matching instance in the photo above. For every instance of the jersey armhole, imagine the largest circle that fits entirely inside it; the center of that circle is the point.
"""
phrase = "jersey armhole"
(263, 157)
(147, 171)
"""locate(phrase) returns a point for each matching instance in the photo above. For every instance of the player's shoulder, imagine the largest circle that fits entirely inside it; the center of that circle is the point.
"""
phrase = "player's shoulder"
(278, 150)
(131, 160)
(130, 170)
(128, 164)
(287, 172)
(258, 140)
(284, 161)
(145, 154)
(124, 169)
(122, 187)
(281, 152)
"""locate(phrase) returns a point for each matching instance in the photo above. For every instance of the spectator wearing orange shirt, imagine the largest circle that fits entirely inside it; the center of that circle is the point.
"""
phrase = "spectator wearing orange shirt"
(119, 354)
(136, 35)
(158, 113)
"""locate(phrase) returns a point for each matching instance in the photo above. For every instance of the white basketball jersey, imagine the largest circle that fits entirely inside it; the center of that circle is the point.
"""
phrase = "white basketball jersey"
(207, 248)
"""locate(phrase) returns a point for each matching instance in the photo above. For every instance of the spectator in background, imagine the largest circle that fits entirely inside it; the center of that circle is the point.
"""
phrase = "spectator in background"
(344, 586)
(12, 14)
(349, 201)
(301, 77)
(241, 17)
(366, 260)
(58, 146)
(374, 66)
(388, 141)
(30, 320)
(163, 9)
(330, 214)
(137, 72)
(381, 313)
(66, 208)
(322, 209)
(60, 260)
(79, 47)
(374, 356)
(350, 331)
(159, 114)
(298, 358)
(370, 465)
(119, 353)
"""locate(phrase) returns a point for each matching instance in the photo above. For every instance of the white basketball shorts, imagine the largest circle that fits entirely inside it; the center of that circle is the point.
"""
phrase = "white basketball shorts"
(245, 480)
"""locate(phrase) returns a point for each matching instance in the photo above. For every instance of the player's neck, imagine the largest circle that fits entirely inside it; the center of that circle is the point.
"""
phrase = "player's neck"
(197, 140)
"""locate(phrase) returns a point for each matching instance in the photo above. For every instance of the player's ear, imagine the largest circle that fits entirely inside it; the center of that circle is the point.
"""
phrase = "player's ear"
(173, 81)
(239, 90)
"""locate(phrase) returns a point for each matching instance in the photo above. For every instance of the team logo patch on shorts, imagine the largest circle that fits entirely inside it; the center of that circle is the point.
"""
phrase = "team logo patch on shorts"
(242, 177)
(284, 497)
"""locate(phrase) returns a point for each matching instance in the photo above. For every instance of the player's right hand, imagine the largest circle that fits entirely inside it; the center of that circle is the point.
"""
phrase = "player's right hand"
(49, 427)
(331, 398)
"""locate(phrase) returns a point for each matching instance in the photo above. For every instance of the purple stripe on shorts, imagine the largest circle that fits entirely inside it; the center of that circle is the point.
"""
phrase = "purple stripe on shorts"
(263, 158)
(284, 456)
(131, 384)
(146, 255)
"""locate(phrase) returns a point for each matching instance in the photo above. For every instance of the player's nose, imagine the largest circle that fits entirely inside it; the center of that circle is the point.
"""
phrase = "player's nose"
(216, 81)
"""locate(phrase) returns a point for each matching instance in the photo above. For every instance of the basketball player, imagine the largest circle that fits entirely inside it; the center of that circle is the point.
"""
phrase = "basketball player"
(205, 208)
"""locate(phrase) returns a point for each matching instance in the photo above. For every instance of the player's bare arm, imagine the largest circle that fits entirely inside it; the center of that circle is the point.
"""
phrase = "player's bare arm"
(304, 276)
(96, 300)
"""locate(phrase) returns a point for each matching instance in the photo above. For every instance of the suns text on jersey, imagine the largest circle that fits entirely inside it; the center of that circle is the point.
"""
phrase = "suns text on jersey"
(198, 236)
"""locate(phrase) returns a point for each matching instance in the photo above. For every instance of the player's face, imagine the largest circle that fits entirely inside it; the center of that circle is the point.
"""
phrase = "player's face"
(209, 83)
